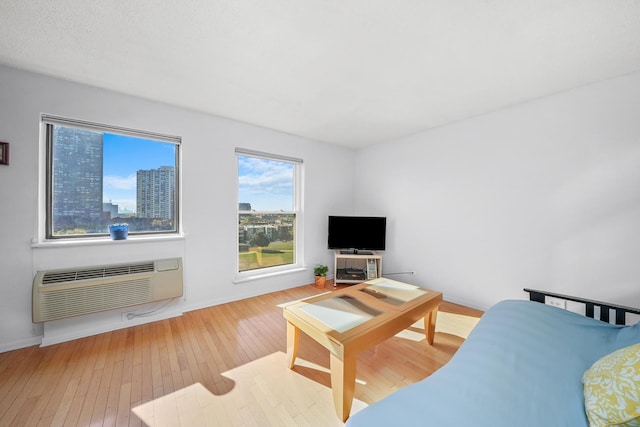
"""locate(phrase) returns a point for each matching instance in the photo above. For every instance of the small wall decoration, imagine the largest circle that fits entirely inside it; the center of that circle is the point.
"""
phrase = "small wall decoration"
(4, 153)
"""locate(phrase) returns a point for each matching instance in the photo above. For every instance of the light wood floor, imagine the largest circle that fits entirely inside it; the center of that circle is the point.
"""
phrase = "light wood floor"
(207, 355)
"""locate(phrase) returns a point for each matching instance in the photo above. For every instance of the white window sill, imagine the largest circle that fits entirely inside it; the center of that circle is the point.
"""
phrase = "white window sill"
(265, 275)
(100, 241)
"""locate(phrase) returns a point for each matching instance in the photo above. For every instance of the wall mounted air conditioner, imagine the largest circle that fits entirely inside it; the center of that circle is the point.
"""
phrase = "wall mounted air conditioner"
(62, 293)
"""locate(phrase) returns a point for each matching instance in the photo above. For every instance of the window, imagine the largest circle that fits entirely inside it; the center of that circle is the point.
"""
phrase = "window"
(269, 212)
(97, 175)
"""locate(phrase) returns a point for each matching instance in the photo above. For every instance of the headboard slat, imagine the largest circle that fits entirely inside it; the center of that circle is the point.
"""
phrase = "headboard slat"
(589, 312)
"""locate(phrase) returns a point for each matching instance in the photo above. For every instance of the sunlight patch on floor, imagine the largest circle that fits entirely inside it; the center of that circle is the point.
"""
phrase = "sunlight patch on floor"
(455, 324)
(307, 364)
(448, 323)
(266, 392)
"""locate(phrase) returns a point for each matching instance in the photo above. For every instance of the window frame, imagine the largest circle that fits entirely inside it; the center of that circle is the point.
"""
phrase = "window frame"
(45, 223)
(297, 211)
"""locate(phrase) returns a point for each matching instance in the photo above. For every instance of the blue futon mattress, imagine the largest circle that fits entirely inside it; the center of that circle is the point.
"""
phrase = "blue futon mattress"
(522, 365)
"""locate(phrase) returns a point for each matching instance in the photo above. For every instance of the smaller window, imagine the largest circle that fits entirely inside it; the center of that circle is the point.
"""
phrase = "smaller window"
(269, 211)
(98, 175)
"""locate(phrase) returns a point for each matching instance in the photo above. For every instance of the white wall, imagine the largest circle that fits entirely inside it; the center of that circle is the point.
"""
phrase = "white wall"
(543, 195)
(208, 192)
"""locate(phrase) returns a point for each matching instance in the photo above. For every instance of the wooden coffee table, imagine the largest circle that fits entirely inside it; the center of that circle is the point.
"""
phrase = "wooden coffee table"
(352, 319)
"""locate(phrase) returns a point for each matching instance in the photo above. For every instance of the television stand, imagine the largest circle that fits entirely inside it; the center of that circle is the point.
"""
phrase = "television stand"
(358, 267)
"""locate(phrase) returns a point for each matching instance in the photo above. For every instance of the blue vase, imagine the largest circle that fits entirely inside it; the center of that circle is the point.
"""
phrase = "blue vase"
(119, 232)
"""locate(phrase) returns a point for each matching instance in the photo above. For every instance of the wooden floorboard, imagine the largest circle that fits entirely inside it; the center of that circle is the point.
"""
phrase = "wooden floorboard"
(99, 380)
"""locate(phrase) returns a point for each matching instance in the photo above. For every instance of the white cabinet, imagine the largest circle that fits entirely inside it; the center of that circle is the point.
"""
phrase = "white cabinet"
(357, 267)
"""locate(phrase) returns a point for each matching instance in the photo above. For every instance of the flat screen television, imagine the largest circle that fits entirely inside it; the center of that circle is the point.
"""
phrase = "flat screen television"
(356, 233)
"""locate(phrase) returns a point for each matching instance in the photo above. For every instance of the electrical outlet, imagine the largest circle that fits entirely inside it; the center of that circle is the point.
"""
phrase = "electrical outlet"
(556, 302)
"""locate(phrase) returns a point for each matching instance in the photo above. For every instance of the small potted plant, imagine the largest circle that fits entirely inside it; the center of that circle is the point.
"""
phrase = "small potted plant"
(320, 273)
(119, 231)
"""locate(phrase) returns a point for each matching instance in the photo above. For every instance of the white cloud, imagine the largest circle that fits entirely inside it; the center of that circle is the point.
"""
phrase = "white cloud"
(266, 184)
(120, 182)
(265, 176)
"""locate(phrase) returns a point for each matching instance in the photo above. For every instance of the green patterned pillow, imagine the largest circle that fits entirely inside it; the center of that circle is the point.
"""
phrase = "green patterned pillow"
(612, 389)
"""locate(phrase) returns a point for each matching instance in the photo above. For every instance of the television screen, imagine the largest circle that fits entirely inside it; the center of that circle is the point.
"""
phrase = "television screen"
(357, 232)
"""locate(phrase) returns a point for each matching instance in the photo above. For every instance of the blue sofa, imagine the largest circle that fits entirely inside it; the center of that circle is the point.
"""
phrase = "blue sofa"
(522, 365)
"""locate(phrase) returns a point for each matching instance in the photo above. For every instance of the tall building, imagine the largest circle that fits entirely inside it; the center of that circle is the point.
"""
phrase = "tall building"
(110, 209)
(77, 178)
(155, 191)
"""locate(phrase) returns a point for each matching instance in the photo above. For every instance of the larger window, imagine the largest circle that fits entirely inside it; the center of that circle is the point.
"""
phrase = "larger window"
(269, 211)
(97, 175)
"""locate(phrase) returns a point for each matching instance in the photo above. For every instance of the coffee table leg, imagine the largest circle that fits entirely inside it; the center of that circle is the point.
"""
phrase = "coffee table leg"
(343, 383)
(430, 325)
(293, 338)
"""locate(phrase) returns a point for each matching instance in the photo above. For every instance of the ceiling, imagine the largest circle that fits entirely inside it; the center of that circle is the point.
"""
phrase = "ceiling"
(348, 72)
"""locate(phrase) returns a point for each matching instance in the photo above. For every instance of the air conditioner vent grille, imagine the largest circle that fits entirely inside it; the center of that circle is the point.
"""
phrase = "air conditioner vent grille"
(54, 277)
(73, 302)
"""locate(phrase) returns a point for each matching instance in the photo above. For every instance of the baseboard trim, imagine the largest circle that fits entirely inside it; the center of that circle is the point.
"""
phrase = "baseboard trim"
(16, 345)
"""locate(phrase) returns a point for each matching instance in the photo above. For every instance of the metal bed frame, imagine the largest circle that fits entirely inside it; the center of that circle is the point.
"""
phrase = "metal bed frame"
(605, 308)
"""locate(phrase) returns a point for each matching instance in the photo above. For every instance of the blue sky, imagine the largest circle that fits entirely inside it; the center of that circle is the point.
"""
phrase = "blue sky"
(266, 184)
(123, 157)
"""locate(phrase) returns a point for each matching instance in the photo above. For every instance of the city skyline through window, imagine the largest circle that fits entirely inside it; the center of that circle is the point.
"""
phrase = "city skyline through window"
(97, 177)
(123, 157)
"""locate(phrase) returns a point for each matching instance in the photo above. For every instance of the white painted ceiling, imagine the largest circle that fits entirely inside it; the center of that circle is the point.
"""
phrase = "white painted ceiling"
(349, 72)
